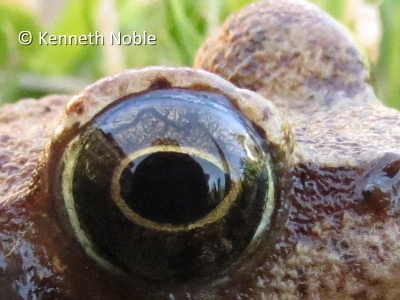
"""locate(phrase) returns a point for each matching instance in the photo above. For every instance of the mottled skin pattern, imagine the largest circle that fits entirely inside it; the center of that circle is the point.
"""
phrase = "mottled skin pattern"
(337, 234)
(343, 228)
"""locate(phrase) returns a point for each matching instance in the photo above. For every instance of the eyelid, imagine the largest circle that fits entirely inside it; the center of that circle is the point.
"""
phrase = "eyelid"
(91, 101)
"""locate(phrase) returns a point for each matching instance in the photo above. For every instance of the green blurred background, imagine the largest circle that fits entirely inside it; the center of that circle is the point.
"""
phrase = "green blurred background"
(180, 26)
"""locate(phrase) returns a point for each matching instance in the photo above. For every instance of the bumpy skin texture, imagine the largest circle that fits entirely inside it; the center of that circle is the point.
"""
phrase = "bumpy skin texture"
(343, 227)
(288, 51)
(337, 220)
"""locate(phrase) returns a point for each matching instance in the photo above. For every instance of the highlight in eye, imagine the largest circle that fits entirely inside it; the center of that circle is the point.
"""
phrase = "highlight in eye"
(168, 183)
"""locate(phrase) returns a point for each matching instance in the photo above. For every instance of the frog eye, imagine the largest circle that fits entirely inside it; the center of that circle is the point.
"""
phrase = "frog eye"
(166, 180)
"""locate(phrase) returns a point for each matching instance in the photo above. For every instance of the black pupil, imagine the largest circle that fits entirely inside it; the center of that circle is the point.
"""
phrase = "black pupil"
(172, 187)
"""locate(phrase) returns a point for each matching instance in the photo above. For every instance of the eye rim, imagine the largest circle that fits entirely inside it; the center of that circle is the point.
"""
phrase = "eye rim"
(269, 122)
(97, 97)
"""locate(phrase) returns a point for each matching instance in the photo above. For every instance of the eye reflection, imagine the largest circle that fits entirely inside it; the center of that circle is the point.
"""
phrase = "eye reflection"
(167, 185)
(172, 187)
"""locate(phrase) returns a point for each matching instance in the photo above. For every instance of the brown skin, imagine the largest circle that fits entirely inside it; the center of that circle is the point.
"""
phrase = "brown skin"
(335, 230)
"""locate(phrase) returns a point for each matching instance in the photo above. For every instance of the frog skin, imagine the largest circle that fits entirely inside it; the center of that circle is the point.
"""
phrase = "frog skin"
(334, 233)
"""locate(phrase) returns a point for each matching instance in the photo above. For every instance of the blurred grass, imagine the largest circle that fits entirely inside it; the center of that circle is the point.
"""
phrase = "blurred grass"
(387, 71)
(180, 26)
